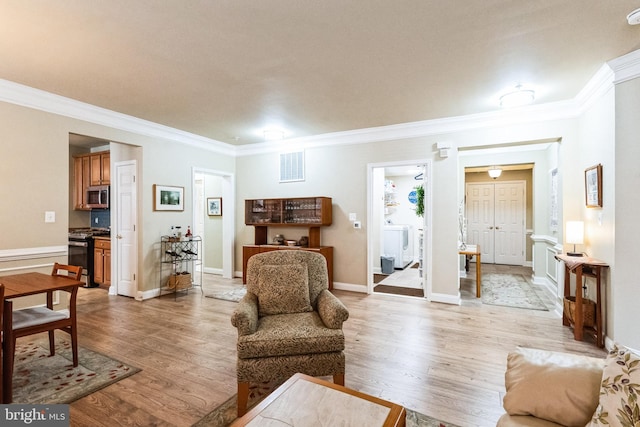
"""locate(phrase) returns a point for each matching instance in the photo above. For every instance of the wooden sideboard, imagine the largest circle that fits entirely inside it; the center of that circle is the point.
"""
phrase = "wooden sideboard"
(311, 213)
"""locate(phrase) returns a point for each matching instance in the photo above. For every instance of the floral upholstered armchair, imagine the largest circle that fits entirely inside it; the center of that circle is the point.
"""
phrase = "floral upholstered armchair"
(288, 321)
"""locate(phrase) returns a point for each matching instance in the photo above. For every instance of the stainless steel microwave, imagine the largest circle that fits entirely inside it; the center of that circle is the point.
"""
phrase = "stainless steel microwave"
(98, 197)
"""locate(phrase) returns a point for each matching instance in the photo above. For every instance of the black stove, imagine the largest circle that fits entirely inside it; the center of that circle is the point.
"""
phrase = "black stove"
(81, 250)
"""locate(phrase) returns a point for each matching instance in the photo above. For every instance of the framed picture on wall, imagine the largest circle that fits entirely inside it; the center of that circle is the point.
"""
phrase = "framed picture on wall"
(593, 186)
(214, 206)
(168, 198)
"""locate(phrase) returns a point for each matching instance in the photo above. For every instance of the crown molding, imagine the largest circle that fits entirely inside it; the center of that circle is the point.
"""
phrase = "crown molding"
(15, 93)
(626, 67)
(615, 71)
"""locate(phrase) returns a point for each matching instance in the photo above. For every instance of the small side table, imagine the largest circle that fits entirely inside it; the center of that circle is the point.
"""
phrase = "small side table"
(469, 252)
(590, 267)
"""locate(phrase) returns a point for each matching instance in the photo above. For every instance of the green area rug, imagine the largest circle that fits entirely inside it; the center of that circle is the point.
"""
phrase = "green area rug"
(510, 290)
(42, 379)
(225, 414)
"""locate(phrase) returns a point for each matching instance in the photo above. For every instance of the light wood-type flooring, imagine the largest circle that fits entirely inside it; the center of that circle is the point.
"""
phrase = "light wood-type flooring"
(442, 360)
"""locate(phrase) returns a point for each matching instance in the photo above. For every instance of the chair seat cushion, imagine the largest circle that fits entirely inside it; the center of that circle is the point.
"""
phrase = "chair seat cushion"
(33, 316)
(290, 334)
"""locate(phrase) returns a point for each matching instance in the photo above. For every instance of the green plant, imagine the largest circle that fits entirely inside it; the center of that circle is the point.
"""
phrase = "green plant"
(420, 200)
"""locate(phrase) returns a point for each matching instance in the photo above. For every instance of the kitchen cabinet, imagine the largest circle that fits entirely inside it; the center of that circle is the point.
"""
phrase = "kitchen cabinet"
(100, 168)
(89, 169)
(311, 213)
(81, 176)
(102, 261)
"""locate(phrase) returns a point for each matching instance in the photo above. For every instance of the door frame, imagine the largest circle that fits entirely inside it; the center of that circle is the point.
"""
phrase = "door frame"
(228, 217)
(373, 204)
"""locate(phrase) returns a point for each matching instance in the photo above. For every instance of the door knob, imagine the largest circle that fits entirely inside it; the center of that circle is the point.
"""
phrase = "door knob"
(497, 228)
(491, 228)
(118, 236)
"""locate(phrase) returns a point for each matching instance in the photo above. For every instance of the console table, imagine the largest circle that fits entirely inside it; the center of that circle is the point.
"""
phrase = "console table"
(469, 252)
(590, 267)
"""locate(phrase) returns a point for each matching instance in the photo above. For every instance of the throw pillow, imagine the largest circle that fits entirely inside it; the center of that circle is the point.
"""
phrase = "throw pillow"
(283, 289)
(619, 390)
(558, 387)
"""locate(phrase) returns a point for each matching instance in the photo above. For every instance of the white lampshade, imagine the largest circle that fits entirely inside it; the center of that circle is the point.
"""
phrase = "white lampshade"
(574, 235)
(495, 172)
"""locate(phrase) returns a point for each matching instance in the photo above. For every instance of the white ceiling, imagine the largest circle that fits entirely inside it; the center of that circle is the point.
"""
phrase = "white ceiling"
(225, 69)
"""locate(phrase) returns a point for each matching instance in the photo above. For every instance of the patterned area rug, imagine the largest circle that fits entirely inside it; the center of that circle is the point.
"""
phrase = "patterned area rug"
(510, 290)
(41, 379)
(230, 295)
(225, 414)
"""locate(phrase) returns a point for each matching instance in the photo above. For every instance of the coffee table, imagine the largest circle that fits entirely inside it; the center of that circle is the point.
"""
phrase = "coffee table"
(307, 401)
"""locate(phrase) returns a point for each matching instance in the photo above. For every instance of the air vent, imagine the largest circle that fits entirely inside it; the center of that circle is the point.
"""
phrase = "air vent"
(292, 166)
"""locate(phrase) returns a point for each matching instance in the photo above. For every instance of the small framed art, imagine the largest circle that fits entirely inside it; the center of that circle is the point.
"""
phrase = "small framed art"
(168, 198)
(593, 186)
(214, 206)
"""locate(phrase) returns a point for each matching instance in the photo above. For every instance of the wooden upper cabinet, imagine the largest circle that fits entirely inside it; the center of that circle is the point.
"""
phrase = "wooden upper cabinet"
(100, 168)
(89, 169)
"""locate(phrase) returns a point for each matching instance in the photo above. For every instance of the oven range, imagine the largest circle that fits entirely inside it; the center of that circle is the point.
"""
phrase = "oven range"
(81, 250)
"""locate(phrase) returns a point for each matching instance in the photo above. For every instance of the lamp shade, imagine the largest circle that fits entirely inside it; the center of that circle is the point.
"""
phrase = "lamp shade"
(575, 232)
(495, 172)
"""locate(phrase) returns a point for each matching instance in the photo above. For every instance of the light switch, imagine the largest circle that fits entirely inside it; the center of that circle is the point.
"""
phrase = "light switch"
(352, 216)
(49, 216)
(357, 225)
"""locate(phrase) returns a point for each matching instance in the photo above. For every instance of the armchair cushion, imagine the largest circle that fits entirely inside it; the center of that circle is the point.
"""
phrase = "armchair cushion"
(283, 289)
(290, 334)
(558, 387)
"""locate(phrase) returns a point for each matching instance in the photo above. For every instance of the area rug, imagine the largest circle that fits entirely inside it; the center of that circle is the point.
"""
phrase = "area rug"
(41, 379)
(235, 294)
(226, 413)
(510, 290)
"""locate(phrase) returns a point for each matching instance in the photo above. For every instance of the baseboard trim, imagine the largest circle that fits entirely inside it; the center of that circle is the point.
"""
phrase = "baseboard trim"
(446, 298)
(351, 287)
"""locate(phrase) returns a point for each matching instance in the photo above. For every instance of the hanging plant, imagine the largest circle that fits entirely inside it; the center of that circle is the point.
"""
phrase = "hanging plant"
(420, 200)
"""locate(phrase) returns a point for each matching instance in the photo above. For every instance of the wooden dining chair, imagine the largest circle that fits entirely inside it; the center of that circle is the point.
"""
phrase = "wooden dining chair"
(35, 320)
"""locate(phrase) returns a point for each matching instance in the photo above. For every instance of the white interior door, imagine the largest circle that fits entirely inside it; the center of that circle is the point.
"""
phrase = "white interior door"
(495, 221)
(480, 218)
(509, 223)
(126, 259)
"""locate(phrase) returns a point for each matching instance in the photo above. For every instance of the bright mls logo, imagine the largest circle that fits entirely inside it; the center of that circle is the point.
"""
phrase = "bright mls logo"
(34, 415)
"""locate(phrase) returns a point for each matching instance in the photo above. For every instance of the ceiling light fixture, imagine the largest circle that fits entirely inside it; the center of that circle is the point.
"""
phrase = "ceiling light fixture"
(273, 134)
(634, 17)
(517, 97)
(495, 172)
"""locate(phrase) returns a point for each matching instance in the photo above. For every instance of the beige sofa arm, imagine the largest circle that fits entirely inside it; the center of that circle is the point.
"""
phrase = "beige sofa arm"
(245, 316)
(331, 310)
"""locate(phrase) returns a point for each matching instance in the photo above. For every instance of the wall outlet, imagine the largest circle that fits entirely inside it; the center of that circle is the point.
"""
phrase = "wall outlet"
(49, 216)
(357, 225)
(352, 216)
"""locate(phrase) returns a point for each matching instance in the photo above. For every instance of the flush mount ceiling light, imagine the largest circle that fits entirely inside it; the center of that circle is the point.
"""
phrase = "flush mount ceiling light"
(495, 172)
(634, 17)
(273, 134)
(517, 97)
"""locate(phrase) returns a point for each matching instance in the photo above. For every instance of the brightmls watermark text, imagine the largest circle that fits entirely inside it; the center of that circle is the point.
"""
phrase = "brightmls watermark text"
(34, 415)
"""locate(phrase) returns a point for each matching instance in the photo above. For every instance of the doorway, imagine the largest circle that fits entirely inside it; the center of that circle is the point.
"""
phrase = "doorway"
(216, 231)
(495, 214)
(397, 237)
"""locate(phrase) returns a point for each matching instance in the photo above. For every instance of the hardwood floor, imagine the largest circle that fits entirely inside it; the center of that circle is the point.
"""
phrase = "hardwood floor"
(442, 360)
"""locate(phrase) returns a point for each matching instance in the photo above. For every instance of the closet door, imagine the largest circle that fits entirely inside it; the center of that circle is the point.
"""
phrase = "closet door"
(495, 221)
(480, 218)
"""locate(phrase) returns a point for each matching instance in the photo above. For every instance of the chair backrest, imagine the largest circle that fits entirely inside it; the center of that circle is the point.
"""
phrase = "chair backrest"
(72, 271)
(316, 267)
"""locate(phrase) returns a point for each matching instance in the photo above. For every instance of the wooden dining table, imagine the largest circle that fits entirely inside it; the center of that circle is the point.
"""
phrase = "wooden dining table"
(21, 285)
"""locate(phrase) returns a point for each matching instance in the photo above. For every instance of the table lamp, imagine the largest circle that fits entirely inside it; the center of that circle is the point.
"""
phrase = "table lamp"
(575, 236)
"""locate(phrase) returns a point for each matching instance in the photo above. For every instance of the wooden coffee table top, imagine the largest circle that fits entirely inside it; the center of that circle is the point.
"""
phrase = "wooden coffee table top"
(307, 401)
